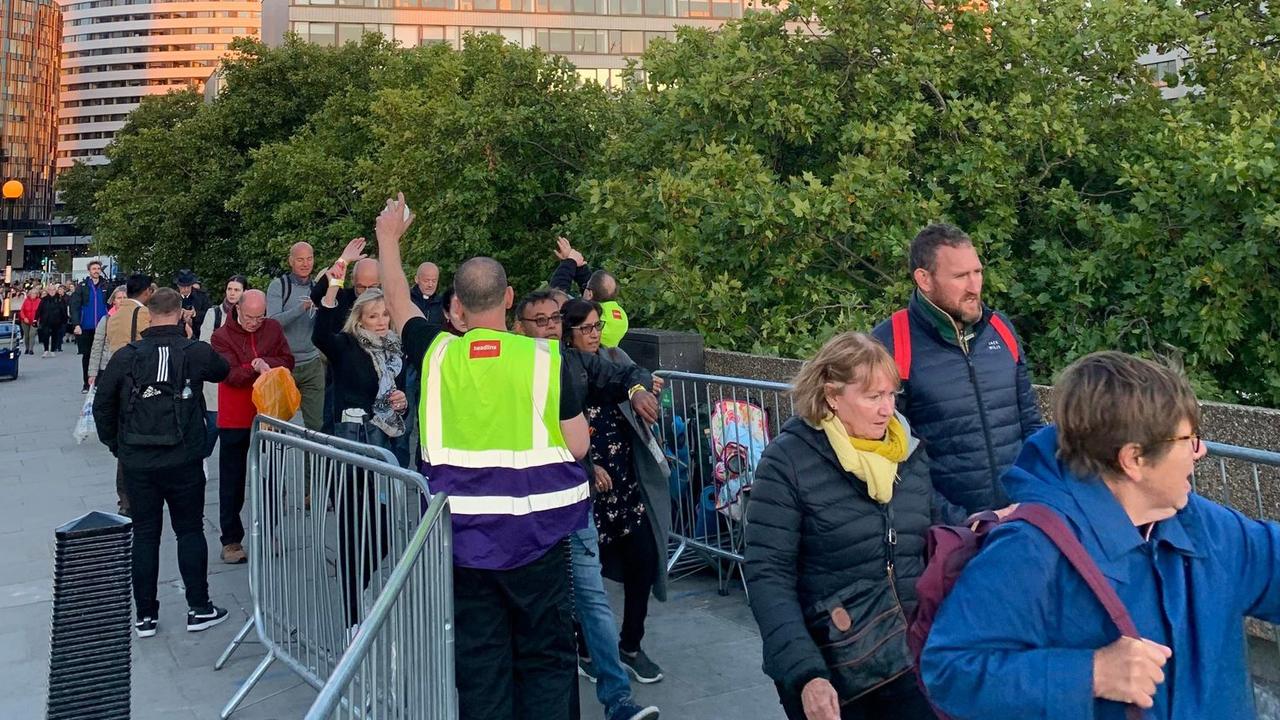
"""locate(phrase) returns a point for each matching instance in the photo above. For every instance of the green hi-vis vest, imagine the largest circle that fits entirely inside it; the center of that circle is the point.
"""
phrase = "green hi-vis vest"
(615, 324)
(490, 434)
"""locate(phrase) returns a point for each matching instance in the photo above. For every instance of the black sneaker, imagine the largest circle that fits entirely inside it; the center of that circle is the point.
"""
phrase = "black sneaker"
(84, 389)
(146, 627)
(628, 710)
(204, 618)
(643, 669)
(587, 668)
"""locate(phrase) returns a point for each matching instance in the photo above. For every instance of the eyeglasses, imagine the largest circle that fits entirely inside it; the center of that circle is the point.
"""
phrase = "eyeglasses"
(542, 320)
(1194, 438)
(361, 288)
(252, 318)
(588, 329)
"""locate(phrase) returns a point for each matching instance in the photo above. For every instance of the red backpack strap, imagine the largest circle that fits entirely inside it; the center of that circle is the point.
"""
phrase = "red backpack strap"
(902, 343)
(1005, 334)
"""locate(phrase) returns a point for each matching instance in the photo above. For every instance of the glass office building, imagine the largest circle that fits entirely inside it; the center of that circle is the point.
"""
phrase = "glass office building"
(29, 104)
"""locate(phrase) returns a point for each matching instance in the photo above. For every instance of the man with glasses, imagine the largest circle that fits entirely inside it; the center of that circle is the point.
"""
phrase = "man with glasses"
(364, 275)
(538, 316)
(252, 344)
(1022, 635)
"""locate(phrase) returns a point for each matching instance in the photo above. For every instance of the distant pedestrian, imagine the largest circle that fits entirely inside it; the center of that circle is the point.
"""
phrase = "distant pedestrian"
(194, 302)
(424, 293)
(149, 412)
(252, 344)
(52, 316)
(27, 316)
(88, 307)
(965, 384)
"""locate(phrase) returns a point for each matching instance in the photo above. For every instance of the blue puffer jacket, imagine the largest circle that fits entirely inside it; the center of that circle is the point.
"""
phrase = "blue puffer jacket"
(972, 409)
(1016, 636)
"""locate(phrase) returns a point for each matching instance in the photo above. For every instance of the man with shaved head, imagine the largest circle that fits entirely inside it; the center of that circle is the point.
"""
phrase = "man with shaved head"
(252, 344)
(289, 303)
(426, 283)
(501, 438)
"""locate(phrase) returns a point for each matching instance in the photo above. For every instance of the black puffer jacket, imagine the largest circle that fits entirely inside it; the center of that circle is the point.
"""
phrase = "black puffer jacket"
(973, 404)
(815, 538)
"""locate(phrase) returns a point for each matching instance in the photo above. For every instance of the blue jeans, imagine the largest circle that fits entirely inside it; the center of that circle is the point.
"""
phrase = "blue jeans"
(211, 432)
(598, 626)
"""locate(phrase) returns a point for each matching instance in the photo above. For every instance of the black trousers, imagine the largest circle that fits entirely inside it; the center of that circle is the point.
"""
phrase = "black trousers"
(182, 489)
(632, 559)
(362, 539)
(84, 344)
(233, 463)
(900, 699)
(514, 640)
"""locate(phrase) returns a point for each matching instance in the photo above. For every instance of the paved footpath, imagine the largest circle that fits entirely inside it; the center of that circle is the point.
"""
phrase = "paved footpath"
(708, 645)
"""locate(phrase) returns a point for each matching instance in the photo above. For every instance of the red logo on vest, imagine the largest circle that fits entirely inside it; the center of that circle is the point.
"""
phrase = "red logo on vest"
(617, 314)
(485, 349)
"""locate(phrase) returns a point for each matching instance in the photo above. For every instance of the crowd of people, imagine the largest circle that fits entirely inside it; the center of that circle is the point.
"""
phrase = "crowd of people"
(541, 430)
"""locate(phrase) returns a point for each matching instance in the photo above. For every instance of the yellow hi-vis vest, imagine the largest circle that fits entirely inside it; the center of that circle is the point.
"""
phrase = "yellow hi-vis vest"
(489, 423)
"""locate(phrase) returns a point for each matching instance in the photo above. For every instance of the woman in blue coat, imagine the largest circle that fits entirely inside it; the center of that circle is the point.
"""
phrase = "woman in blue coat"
(1022, 636)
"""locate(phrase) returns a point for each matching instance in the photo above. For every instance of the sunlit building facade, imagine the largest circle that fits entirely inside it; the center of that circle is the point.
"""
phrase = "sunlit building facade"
(597, 36)
(116, 52)
(29, 31)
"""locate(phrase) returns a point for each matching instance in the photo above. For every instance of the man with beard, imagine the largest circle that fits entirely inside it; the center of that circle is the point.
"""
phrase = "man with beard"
(965, 385)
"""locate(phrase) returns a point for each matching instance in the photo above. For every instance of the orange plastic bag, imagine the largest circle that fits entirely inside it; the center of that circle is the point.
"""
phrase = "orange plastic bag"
(275, 394)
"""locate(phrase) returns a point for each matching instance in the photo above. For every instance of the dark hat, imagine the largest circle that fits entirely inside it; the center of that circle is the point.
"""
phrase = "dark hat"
(186, 277)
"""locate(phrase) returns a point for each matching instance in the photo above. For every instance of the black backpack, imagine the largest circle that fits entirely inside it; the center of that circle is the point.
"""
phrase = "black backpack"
(161, 403)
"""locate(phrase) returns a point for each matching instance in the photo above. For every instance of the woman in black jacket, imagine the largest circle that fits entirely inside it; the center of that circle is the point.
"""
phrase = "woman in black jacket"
(368, 367)
(52, 315)
(835, 540)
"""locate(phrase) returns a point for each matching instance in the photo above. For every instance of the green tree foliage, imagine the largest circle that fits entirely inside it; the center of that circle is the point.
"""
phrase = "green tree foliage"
(760, 184)
(765, 180)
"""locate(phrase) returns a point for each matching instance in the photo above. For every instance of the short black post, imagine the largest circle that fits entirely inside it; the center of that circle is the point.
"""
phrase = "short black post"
(89, 661)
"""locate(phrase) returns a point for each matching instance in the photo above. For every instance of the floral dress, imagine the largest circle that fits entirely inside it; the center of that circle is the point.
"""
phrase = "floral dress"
(619, 511)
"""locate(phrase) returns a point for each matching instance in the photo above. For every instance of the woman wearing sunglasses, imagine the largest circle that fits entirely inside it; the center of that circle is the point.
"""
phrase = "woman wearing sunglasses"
(632, 506)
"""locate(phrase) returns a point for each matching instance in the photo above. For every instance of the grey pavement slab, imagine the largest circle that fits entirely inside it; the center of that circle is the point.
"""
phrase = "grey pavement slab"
(707, 644)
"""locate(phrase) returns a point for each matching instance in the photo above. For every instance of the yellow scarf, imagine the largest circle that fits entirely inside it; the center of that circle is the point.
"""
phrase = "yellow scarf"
(875, 462)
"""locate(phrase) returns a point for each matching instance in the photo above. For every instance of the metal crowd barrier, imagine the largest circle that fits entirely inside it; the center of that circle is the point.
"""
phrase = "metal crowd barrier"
(400, 664)
(329, 519)
(713, 430)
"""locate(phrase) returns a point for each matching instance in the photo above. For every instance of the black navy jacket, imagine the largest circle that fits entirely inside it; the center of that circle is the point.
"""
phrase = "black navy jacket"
(973, 410)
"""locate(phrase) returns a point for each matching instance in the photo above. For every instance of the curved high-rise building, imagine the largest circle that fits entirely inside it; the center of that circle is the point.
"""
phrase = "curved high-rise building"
(29, 35)
(116, 52)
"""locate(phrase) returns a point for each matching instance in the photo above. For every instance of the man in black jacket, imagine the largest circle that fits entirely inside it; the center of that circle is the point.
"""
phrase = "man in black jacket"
(965, 385)
(195, 302)
(426, 283)
(149, 410)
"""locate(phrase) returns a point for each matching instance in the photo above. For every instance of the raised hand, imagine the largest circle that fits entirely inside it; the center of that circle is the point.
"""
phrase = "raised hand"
(394, 220)
(354, 251)
(563, 248)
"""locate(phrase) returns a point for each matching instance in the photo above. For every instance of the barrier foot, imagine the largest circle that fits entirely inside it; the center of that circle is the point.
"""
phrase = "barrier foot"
(243, 692)
(235, 644)
(675, 556)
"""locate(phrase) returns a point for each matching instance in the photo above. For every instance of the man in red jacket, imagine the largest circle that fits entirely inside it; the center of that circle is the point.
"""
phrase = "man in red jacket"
(252, 344)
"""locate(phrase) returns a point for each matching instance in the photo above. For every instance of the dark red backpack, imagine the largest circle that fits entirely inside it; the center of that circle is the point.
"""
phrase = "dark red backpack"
(949, 549)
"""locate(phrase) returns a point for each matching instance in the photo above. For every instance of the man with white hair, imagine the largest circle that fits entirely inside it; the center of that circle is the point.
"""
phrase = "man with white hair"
(289, 303)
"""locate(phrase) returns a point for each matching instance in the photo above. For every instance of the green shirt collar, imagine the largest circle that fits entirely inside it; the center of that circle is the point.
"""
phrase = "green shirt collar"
(947, 326)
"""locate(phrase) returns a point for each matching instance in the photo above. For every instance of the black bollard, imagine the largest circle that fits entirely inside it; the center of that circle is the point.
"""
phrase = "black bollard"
(89, 661)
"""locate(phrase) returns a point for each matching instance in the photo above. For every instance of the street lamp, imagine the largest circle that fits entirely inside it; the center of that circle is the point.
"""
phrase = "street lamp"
(12, 190)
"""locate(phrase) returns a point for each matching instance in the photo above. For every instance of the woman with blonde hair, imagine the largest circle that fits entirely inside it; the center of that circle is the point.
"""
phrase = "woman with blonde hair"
(835, 540)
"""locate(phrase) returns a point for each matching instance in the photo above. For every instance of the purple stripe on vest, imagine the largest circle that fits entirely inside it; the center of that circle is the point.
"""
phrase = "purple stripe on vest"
(507, 482)
(503, 542)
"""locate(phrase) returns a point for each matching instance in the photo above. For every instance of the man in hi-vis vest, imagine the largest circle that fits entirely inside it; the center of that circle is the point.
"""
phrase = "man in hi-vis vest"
(502, 440)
